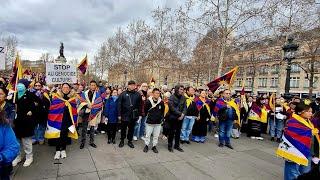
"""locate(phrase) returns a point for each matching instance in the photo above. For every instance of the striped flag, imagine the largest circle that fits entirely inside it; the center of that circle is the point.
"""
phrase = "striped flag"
(226, 79)
(83, 66)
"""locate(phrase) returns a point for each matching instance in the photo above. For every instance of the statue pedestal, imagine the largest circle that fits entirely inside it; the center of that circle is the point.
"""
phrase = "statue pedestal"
(60, 60)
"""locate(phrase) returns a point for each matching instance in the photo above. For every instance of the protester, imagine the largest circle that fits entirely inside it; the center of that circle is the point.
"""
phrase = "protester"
(295, 146)
(41, 113)
(9, 147)
(139, 128)
(315, 105)
(6, 106)
(90, 110)
(129, 109)
(155, 109)
(61, 124)
(111, 116)
(177, 111)
(257, 116)
(102, 127)
(166, 129)
(276, 121)
(226, 111)
(191, 114)
(24, 123)
(199, 131)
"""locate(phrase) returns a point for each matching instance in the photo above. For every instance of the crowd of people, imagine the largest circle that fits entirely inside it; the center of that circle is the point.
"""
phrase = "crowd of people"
(180, 115)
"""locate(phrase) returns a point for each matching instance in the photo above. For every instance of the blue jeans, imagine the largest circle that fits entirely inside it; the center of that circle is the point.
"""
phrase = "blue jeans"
(140, 128)
(293, 170)
(276, 126)
(187, 125)
(39, 133)
(225, 128)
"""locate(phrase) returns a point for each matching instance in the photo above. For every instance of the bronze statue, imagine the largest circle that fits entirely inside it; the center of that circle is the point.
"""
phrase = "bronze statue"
(61, 50)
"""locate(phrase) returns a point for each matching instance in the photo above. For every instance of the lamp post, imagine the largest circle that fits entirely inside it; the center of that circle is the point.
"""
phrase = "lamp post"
(289, 50)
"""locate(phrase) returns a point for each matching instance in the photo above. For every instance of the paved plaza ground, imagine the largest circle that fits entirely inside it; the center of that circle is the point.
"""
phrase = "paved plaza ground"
(250, 160)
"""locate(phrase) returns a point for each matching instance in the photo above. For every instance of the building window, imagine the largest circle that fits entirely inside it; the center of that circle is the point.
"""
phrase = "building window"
(294, 82)
(306, 82)
(275, 69)
(239, 82)
(263, 69)
(250, 70)
(263, 82)
(248, 82)
(274, 82)
(295, 68)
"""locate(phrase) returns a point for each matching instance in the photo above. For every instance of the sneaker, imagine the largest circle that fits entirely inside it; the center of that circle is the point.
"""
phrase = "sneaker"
(170, 149)
(63, 154)
(179, 149)
(220, 145)
(82, 145)
(16, 161)
(272, 139)
(130, 144)
(216, 135)
(145, 149)
(259, 138)
(121, 144)
(57, 155)
(93, 145)
(154, 149)
(229, 146)
(103, 132)
(135, 138)
(28, 162)
(252, 137)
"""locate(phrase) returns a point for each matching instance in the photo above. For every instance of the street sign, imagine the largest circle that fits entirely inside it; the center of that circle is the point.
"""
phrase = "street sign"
(2, 56)
(57, 73)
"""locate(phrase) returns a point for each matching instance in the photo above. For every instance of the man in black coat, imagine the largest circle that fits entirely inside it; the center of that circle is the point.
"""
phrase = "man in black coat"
(129, 110)
(177, 111)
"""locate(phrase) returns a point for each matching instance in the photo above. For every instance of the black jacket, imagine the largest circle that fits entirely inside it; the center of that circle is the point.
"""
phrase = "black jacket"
(156, 114)
(192, 110)
(177, 106)
(129, 105)
(23, 124)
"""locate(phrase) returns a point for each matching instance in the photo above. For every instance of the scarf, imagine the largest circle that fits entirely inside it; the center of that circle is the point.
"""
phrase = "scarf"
(114, 98)
(202, 102)
(258, 113)
(189, 100)
(55, 116)
(153, 104)
(296, 140)
(221, 103)
(96, 104)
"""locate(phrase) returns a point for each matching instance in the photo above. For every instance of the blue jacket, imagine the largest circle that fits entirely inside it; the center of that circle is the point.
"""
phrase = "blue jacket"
(111, 110)
(9, 146)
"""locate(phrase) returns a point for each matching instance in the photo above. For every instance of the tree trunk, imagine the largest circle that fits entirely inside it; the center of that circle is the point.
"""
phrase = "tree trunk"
(221, 57)
(311, 77)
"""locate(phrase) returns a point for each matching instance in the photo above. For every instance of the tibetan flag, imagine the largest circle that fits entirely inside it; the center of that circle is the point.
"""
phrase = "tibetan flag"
(226, 79)
(152, 82)
(258, 113)
(83, 66)
(296, 140)
(96, 106)
(222, 104)
(16, 73)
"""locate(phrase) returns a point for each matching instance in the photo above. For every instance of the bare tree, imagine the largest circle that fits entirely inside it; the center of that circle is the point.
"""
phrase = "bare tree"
(11, 43)
(46, 57)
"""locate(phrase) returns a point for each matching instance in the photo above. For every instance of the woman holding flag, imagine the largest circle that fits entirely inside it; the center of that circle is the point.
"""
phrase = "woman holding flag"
(296, 143)
(62, 119)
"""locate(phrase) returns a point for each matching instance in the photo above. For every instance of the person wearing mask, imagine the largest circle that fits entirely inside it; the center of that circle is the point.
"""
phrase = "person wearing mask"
(199, 131)
(177, 111)
(257, 117)
(6, 106)
(41, 113)
(90, 110)
(154, 108)
(110, 113)
(189, 118)
(139, 129)
(9, 147)
(24, 123)
(227, 112)
(61, 124)
(276, 121)
(296, 145)
(129, 112)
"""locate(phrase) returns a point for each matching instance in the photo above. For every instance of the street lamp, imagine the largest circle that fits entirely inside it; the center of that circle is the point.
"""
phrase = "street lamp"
(289, 50)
